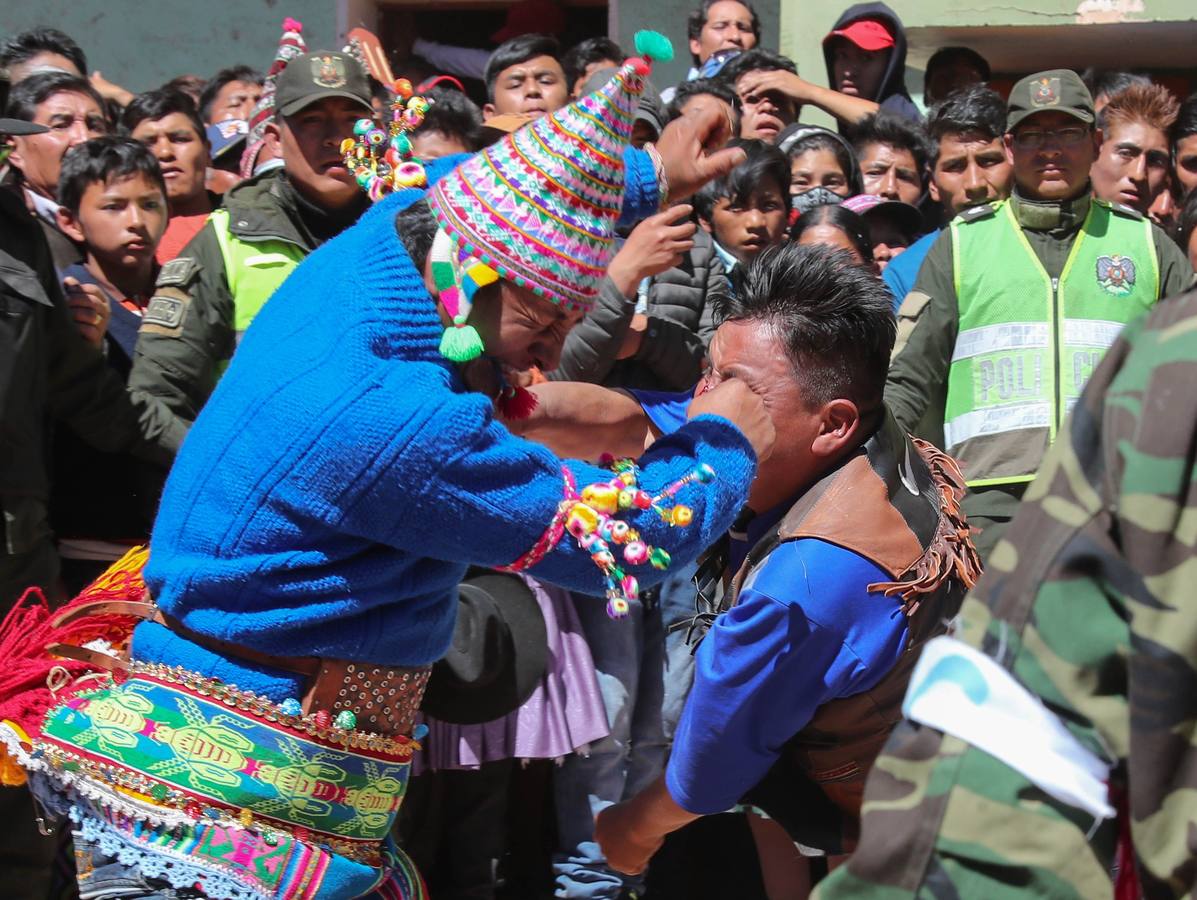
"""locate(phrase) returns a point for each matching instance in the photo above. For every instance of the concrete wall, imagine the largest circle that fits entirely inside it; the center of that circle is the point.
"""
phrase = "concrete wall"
(140, 44)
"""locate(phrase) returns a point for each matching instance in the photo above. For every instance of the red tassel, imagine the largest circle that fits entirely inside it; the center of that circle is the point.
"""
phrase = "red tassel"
(1127, 885)
(516, 402)
(27, 629)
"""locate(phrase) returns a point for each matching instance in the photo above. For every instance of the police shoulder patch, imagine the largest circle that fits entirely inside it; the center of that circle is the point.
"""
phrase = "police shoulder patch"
(973, 213)
(178, 271)
(165, 312)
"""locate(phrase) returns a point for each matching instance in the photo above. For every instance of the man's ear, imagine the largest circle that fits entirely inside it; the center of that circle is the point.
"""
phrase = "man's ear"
(838, 429)
(695, 46)
(16, 156)
(68, 223)
(706, 225)
(488, 112)
(1008, 146)
(933, 190)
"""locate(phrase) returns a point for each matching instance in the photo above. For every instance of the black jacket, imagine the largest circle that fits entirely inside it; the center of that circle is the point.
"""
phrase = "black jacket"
(49, 373)
(892, 95)
(681, 320)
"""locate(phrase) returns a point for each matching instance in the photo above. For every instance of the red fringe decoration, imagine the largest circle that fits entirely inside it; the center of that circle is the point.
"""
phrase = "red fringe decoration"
(25, 696)
(515, 402)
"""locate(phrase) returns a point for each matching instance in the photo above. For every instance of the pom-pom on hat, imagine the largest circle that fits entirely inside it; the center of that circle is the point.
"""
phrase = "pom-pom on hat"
(539, 207)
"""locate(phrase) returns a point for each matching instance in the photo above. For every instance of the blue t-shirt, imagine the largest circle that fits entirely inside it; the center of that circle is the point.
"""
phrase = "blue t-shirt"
(903, 270)
(804, 631)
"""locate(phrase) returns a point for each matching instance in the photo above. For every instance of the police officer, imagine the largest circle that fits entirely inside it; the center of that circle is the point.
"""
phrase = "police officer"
(207, 296)
(1018, 300)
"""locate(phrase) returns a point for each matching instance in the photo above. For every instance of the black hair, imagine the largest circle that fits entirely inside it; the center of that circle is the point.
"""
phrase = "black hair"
(158, 104)
(416, 227)
(102, 159)
(575, 60)
(220, 79)
(946, 56)
(1186, 119)
(712, 86)
(844, 155)
(191, 85)
(887, 128)
(453, 114)
(27, 95)
(756, 59)
(698, 18)
(515, 51)
(28, 44)
(834, 318)
(764, 161)
(850, 223)
(1188, 222)
(974, 108)
(1109, 82)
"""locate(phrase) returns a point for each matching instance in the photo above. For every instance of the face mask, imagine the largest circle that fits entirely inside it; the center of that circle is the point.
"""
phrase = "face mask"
(819, 196)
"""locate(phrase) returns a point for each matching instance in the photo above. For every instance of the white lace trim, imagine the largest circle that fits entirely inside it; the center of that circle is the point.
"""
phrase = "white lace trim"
(179, 869)
(91, 789)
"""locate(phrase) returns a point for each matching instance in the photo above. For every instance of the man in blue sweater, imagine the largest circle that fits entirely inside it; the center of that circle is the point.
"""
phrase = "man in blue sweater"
(327, 502)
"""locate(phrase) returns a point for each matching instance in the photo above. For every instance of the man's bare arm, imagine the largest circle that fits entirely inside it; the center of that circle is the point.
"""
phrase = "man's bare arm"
(584, 421)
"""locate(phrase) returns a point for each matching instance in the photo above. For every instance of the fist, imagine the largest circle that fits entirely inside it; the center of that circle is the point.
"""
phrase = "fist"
(735, 401)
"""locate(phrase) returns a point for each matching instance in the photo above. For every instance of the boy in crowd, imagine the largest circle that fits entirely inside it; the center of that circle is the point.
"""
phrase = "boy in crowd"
(586, 57)
(231, 94)
(524, 77)
(73, 112)
(893, 155)
(866, 65)
(450, 126)
(41, 50)
(718, 30)
(1184, 146)
(114, 204)
(746, 211)
(950, 69)
(1132, 165)
(167, 123)
(765, 110)
(969, 167)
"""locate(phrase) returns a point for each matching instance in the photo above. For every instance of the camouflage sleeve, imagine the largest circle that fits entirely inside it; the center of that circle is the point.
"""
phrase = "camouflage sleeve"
(916, 387)
(1085, 603)
(186, 332)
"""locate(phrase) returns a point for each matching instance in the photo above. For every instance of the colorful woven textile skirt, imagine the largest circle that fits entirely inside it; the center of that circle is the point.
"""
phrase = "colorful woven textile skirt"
(205, 786)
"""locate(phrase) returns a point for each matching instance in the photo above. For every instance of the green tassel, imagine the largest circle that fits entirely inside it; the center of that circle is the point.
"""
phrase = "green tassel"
(654, 45)
(461, 344)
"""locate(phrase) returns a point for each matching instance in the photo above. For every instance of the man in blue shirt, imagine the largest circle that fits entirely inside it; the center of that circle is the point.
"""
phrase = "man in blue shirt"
(969, 166)
(855, 556)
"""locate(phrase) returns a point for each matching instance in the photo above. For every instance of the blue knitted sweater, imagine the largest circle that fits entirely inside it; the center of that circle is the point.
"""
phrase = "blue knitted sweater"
(340, 479)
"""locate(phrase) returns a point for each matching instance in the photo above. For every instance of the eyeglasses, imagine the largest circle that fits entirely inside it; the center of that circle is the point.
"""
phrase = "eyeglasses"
(1064, 137)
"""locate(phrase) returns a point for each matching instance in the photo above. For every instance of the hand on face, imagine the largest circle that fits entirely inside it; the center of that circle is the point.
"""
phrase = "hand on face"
(770, 101)
(519, 329)
(735, 401)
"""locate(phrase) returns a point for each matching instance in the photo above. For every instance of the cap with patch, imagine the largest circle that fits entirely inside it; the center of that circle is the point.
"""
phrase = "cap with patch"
(1057, 90)
(315, 76)
(867, 34)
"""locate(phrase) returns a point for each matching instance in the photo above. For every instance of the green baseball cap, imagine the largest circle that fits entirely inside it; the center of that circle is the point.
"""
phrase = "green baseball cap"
(1057, 90)
(314, 76)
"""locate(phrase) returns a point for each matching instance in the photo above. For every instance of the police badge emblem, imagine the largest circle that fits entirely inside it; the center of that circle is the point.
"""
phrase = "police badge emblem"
(1116, 274)
(1045, 92)
(329, 71)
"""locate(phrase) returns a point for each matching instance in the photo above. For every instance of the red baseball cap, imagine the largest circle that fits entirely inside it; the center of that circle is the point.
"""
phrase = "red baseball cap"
(531, 17)
(867, 34)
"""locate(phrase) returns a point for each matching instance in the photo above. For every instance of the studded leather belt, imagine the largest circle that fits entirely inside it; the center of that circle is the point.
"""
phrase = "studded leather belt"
(383, 699)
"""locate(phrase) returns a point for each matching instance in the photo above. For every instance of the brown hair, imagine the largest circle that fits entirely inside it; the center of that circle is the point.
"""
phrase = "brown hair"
(1151, 104)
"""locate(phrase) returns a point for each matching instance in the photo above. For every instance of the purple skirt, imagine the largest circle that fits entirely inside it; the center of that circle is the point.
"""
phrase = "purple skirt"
(564, 713)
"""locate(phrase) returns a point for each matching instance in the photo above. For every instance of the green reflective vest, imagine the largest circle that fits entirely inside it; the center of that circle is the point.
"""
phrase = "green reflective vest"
(253, 269)
(1027, 343)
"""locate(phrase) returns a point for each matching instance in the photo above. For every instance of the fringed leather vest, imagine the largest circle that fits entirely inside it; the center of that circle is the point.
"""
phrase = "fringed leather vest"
(896, 503)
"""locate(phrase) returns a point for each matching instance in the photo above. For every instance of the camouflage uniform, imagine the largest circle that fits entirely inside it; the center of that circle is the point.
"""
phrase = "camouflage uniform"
(1086, 603)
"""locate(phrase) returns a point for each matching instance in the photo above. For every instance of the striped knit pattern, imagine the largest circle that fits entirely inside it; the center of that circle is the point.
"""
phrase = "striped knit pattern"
(540, 205)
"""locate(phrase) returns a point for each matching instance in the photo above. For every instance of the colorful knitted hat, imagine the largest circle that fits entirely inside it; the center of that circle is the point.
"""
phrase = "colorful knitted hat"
(539, 207)
(290, 46)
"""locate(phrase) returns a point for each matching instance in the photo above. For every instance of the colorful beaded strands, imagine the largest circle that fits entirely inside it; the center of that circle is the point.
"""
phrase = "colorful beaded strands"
(383, 161)
(592, 521)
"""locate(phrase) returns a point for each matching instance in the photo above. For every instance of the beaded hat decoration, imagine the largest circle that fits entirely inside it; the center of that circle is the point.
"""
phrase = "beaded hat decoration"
(539, 207)
(384, 161)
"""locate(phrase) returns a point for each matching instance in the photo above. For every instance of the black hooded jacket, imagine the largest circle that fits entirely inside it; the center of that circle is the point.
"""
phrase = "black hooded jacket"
(892, 96)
